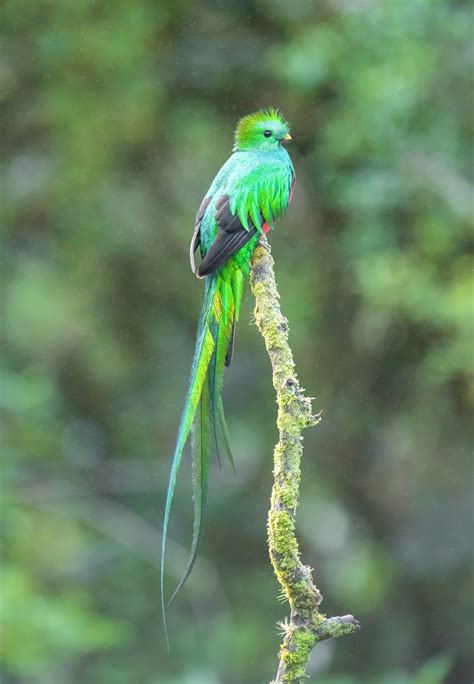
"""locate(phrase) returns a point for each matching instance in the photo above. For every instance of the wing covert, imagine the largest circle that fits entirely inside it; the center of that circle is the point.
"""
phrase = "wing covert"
(231, 236)
(196, 238)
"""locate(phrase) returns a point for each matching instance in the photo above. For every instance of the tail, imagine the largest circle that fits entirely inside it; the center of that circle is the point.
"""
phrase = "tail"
(203, 410)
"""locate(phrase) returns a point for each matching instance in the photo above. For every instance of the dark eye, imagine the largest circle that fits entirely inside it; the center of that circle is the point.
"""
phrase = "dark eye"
(267, 134)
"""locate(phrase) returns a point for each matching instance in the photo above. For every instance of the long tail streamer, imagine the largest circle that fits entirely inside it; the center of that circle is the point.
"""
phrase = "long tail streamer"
(203, 412)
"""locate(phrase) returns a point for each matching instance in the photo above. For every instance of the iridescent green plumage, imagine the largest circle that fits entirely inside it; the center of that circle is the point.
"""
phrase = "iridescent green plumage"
(249, 193)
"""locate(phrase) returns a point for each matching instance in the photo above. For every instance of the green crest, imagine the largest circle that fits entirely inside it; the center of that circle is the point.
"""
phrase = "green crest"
(261, 130)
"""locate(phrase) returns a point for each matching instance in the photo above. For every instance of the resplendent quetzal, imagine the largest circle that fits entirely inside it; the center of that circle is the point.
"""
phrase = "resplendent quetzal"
(251, 191)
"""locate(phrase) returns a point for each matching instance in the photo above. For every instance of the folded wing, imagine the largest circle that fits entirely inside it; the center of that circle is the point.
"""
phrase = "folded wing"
(231, 236)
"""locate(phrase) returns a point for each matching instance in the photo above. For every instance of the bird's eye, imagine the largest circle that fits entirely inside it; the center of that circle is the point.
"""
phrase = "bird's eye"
(267, 134)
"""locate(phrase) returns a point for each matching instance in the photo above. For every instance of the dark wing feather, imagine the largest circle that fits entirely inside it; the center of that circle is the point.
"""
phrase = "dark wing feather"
(196, 239)
(231, 236)
(222, 249)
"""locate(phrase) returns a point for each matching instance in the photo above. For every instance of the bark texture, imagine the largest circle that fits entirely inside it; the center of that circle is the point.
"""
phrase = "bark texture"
(307, 625)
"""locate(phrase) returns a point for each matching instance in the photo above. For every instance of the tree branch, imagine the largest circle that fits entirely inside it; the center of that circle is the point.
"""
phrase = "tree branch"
(307, 625)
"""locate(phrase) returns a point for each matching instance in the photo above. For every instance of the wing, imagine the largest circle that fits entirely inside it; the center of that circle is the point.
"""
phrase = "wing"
(196, 239)
(257, 198)
(231, 236)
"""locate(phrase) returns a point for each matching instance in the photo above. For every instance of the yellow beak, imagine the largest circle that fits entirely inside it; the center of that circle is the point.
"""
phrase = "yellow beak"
(287, 137)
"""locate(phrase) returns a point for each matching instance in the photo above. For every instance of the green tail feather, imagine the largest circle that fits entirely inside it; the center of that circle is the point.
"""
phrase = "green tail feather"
(218, 422)
(224, 433)
(217, 366)
(202, 357)
(201, 442)
(203, 412)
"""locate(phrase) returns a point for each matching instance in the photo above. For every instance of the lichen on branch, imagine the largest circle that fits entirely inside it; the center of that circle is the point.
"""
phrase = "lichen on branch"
(307, 624)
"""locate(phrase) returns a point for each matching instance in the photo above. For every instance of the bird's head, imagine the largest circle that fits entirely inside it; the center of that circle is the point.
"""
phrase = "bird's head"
(262, 130)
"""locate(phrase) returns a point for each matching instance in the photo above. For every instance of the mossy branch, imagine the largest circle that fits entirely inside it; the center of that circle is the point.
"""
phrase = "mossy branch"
(307, 624)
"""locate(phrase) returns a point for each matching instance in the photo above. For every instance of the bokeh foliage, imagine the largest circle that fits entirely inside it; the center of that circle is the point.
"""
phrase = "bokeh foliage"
(114, 119)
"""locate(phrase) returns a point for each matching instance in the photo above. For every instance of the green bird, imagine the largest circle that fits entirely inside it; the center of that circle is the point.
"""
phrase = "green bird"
(251, 191)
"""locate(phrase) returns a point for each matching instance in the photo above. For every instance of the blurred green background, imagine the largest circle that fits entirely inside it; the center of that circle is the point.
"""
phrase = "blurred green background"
(115, 117)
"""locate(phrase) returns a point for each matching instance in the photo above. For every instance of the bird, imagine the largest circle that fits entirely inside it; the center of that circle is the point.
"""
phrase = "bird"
(250, 192)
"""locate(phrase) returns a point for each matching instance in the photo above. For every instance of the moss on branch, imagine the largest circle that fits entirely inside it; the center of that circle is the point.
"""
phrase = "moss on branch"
(307, 624)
